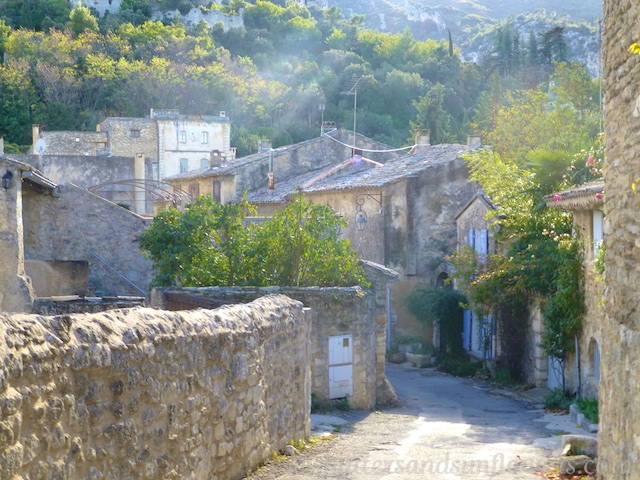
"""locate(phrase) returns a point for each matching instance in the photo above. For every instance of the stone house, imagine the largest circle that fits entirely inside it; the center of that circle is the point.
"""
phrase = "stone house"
(400, 209)
(163, 144)
(482, 338)
(400, 214)
(586, 202)
(63, 240)
(479, 335)
(227, 180)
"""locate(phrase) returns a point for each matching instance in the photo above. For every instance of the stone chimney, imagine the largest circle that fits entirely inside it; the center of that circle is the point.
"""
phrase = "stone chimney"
(423, 141)
(216, 159)
(327, 127)
(264, 146)
(473, 142)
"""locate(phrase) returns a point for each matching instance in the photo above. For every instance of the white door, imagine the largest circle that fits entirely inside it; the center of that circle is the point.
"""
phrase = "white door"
(340, 366)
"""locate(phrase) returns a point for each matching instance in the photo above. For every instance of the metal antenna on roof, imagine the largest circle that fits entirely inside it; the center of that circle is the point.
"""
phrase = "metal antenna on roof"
(352, 89)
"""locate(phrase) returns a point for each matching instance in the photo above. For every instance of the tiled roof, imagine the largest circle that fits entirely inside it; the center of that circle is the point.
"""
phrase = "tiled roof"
(578, 198)
(354, 177)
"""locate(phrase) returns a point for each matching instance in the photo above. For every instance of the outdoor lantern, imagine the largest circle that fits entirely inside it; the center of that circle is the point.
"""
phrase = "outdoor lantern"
(361, 220)
(7, 180)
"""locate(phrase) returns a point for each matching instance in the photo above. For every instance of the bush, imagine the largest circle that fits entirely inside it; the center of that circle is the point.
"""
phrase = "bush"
(558, 400)
(589, 408)
(459, 366)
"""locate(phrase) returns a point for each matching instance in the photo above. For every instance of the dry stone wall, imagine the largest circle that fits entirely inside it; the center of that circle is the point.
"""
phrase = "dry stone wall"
(333, 312)
(149, 394)
(618, 442)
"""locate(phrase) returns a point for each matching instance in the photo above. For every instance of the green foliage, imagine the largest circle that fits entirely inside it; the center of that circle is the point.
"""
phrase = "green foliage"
(407, 339)
(558, 399)
(589, 408)
(81, 19)
(301, 245)
(442, 306)
(209, 244)
(459, 366)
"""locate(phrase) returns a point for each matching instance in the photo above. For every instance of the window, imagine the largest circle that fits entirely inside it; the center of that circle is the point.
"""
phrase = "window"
(182, 136)
(205, 137)
(598, 217)
(184, 165)
(204, 163)
(134, 133)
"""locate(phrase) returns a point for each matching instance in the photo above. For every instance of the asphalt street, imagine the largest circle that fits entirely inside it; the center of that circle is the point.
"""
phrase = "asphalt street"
(444, 428)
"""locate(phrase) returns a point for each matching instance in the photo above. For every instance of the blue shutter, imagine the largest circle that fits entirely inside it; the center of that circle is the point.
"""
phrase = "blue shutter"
(466, 331)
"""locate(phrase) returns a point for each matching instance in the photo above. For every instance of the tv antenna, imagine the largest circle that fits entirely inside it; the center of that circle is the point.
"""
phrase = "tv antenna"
(352, 89)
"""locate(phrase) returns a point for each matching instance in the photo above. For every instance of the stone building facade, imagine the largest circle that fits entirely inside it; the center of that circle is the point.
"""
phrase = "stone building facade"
(78, 226)
(228, 180)
(141, 393)
(582, 368)
(63, 240)
(165, 143)
(618, 445)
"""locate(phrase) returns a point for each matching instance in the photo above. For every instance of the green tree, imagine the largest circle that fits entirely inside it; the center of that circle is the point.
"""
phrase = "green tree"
(432, 115)
(210, 244)
(207, 244)
(301, 246)
(81, 19)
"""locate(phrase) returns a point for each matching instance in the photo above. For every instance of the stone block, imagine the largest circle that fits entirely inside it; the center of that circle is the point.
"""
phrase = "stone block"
(581, 444)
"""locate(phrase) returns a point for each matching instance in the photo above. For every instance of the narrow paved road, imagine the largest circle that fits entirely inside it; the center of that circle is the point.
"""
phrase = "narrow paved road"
(444, 428)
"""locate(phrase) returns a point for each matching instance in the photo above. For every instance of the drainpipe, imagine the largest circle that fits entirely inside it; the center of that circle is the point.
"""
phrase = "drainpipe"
(388, 318)
(578, 365)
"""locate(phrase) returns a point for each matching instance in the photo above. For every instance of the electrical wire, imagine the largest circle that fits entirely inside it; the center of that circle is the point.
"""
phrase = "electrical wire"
(366, 149)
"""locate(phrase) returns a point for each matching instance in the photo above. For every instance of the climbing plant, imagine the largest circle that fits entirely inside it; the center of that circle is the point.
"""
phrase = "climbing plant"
(441, 306)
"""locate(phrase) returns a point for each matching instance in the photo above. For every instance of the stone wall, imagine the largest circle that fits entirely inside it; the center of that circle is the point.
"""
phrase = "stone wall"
(618, 445)
(66, 227)
(333, 312)
(71, 142)
(16, 293)
(141, 393)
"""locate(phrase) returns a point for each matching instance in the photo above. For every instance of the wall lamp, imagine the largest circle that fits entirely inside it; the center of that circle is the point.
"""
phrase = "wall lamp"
(7, 180)
(361, 215)
(361, 220)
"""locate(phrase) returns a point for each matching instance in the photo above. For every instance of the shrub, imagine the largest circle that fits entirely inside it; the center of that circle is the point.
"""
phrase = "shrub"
(458, 366)
(589, 408)
(558, 400)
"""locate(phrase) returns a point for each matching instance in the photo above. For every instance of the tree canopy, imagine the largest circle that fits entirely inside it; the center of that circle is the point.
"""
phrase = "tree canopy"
(212, 244)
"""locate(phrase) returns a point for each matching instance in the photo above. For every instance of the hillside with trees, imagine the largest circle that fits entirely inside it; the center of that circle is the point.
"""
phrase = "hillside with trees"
(277, 77)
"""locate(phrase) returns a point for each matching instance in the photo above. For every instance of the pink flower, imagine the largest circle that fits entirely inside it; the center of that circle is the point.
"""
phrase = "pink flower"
(598, 196)
(557, 197)
(590, 160)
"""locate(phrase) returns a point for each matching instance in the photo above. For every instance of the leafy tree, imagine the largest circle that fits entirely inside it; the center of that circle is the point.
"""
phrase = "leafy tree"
(209, 244)
(301, 245)
(81, 19)
(432, 115)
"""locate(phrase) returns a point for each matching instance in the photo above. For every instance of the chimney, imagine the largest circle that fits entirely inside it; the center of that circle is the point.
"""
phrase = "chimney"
(215, 159)
(327, 127)
(223, 113)
(36, 130)
(473, 142)
(423, 140)
(264, 146)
